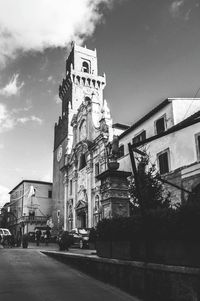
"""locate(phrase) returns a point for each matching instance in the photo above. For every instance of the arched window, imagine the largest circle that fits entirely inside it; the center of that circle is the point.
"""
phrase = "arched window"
(85, 67)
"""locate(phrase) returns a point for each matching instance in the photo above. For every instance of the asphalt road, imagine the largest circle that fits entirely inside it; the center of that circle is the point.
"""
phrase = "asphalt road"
(28, 275)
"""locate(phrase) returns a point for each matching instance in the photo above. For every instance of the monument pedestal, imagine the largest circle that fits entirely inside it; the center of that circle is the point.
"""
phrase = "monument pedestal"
(114, 193)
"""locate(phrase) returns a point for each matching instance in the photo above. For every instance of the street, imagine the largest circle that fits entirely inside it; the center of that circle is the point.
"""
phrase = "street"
(28, 275)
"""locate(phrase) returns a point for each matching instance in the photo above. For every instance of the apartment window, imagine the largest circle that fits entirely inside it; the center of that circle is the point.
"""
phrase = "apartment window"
(160, 125)
(140, 137)
(70, 187)
(197, 140)
(121, 151)
(163, 161)
(49, 194)
(97, 169)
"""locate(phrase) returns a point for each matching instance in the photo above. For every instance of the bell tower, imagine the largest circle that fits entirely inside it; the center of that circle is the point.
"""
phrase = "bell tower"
(81, 83)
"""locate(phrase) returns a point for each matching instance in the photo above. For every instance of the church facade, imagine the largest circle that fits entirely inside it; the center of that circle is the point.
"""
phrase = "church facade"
(80, 137)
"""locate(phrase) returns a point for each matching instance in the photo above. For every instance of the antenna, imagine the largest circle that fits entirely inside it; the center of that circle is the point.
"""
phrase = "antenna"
(192, 101)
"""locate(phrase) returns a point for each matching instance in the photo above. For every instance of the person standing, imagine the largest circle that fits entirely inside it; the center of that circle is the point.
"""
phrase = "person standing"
(47, 236)
(64, 241)
(37, 236)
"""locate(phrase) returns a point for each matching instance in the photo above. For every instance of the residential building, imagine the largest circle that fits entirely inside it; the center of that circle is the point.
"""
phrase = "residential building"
(30, 206)
(175, 148)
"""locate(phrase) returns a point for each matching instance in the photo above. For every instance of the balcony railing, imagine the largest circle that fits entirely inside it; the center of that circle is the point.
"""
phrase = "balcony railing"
(30, 219)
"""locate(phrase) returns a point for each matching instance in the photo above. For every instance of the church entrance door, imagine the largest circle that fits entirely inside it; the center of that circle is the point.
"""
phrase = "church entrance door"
(83, 220)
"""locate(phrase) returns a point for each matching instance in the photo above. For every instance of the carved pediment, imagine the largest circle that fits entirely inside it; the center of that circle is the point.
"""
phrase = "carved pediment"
(83, 145)
(82, 204)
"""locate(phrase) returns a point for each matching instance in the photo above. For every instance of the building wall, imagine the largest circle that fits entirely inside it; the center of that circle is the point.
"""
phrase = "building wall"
(184, 107)
(83, 54)
(58, 186)
(85, 179)
(21, 204)
(41, 199)
(181, 145)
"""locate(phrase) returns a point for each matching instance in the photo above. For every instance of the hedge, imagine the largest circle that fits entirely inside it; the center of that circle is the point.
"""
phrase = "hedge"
(182, 223)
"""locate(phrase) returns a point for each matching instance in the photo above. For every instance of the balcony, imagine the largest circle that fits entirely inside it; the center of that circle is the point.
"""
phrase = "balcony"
(32, 220)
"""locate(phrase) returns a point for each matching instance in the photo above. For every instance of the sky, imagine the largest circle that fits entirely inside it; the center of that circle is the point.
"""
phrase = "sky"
(149, 51)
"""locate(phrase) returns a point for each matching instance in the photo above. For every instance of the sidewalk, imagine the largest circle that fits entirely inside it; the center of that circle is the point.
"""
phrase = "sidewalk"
(55, 247)
(111, 271)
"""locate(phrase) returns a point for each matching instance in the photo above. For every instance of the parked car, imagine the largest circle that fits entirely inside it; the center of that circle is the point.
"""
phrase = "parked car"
(80, 237)
(5, 237)
(4, 232)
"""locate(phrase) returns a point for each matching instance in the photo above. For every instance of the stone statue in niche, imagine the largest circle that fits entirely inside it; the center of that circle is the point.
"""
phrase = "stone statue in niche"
(82, 194)
(103, 126)
(82, 131)
(70, 211)
(96, 205)
(112, 150)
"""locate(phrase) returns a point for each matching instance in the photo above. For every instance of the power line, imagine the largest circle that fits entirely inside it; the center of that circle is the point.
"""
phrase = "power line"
(192, 101)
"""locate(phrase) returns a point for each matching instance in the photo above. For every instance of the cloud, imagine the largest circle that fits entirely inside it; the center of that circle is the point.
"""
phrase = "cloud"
(9, 120)
(13, 87)
(175, 7)
(1, 145)
(4, 196)
(50, 78)
(182, 9)
(57, 99)
(18, 110)
(35, 25)
(33, 118)
(6, 121)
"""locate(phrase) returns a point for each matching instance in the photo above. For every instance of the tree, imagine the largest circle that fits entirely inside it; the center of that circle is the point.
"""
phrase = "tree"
(150, 193)
(4, 216)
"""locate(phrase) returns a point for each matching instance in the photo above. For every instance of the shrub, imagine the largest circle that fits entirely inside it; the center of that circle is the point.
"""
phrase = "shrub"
(162, 223)
(92, 235)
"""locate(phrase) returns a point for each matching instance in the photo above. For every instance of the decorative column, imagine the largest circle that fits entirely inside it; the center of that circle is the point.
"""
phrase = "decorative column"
(75, 179)
(89, 213)
(114, 193)
(65, 182)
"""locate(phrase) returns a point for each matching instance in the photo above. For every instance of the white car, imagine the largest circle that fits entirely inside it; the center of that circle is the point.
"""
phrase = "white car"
(4, 232)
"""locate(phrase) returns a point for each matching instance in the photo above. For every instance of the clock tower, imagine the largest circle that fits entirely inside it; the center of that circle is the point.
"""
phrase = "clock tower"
(81, 86)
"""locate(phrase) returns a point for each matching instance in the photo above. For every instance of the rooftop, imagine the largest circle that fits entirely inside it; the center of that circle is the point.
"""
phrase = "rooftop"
(152, 112)
(32, 182)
